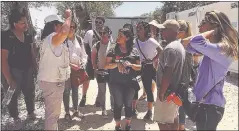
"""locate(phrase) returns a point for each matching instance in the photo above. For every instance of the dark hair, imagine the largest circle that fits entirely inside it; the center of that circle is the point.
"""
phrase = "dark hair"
(15, 16)
(130, 27)
(107, 29)
(129, 43)
(101, 18)
(146, 28)
(49, 28)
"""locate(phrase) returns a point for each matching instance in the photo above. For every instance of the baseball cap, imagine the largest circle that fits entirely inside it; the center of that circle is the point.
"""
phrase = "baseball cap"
(156, 24)
(170, 24)
(51, 18)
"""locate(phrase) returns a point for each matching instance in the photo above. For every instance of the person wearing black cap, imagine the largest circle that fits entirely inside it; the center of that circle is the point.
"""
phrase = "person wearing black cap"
(54, 66)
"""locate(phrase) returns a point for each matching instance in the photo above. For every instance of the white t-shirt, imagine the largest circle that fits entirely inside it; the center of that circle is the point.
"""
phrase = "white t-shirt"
(78, 55)
(88, 38)
(148, 48)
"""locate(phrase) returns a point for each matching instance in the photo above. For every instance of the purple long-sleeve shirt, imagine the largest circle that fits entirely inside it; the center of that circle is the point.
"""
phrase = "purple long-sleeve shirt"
(212, 69)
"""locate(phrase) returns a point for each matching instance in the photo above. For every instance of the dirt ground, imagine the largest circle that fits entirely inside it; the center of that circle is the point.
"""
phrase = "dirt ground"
(94, 121)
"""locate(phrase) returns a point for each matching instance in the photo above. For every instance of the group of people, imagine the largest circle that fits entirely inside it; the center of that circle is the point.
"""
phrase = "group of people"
(164, 55)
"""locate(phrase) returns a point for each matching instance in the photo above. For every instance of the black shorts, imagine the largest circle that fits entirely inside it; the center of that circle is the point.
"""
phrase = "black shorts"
(90, 70)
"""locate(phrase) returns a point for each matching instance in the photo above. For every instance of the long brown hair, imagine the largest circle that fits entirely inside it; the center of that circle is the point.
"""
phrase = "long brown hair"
(227, 33)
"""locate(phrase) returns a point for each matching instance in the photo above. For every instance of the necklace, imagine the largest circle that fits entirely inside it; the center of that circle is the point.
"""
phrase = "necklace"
(23, 37)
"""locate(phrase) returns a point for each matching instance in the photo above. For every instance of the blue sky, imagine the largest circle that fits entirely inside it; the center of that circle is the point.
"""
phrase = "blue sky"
(127, 9)
(136, 8)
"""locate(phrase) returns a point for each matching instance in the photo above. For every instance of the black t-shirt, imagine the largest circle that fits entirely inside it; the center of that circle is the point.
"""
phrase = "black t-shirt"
(115, 75)
(19, 55)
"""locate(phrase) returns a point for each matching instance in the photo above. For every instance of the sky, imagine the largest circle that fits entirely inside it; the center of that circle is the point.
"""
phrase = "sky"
(136, 8)
(127, 9)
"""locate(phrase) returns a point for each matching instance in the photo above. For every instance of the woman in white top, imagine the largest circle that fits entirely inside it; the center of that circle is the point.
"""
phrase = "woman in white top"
(78, 59)
(149, 50)
(54, 69)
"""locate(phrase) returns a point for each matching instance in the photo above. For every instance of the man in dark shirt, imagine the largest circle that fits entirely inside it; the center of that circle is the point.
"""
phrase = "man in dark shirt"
(17, 63)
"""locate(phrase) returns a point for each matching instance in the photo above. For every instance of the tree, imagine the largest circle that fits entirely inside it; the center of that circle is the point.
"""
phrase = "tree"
(85, 10)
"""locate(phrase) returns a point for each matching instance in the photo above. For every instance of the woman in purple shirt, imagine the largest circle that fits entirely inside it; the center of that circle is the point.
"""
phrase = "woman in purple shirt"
(219, 45)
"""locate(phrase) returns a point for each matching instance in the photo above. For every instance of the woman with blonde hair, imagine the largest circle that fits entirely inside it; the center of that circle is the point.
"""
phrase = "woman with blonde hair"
(185, 31)
(219, 45)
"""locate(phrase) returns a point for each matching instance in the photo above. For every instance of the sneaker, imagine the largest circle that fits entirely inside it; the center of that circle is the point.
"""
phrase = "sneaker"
(77, 114)
(118, 128)
(104, 114)
(82, 102)
(134, 113)
(31, 116)
(97, 104)
(148, 115)
(68, 117)
(128, 128)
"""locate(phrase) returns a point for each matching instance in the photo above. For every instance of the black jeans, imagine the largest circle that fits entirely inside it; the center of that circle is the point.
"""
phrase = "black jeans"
(182, 116)
(208, 117)
(25, 83)
(66, 96)
(123, 94)
(148, 74)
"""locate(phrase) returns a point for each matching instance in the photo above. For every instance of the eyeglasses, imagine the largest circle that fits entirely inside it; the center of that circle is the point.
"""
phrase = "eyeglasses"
(98, 22)
(102, 33)
(73, 27)
(176, 100)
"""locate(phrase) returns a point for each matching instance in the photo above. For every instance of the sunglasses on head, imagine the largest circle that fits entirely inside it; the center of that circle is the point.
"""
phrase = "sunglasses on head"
(102, 33)
(98, 22)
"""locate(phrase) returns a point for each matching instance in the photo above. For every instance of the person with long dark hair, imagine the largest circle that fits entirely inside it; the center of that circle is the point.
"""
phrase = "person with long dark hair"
(54, 66)
(78, 59)
(18, 62)
(134, 102)
(219, 45)
(123, 60)
(149, 50)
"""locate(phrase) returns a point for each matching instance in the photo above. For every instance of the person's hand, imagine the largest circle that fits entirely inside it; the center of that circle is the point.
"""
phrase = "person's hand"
(68, 13)
(155, 64)
(12, 84)
(161, 96)
(121, 68)
(127, 64)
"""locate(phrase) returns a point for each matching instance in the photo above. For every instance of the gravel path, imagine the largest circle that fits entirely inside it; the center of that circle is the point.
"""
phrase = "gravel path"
(94, 121)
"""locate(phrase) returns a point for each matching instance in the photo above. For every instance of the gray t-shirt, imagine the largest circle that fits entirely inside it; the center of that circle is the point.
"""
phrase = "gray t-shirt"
(172, 56)
(102, 52)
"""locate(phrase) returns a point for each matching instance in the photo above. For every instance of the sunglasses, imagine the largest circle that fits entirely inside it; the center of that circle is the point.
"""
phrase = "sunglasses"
(176, 100)
(102, 33)
(73, 27)
(98, 22)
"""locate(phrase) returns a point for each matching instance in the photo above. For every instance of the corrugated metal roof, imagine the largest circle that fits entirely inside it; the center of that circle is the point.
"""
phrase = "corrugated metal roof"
(135, 17)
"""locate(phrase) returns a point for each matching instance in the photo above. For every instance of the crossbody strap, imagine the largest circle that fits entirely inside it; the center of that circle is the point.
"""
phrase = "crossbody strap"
(203, 98)
(140, 49)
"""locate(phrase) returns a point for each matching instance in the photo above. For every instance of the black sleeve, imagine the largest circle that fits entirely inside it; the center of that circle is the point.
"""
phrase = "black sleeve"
(5, 41)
